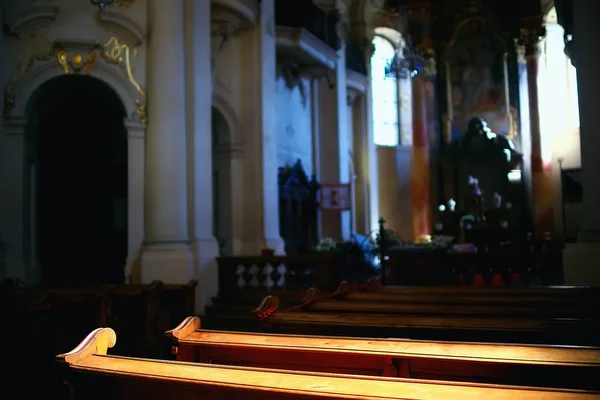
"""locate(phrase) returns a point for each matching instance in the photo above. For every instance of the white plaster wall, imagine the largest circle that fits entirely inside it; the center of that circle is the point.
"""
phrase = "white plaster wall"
(294, 124)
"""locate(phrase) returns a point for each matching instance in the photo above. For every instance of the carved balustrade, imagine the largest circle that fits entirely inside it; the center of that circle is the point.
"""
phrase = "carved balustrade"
(243, 274)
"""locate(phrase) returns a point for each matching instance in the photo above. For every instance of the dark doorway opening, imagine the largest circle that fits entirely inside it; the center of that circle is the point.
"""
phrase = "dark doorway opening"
(77, 144)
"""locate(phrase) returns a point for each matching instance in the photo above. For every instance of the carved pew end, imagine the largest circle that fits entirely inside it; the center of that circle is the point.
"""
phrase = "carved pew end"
(268, 306)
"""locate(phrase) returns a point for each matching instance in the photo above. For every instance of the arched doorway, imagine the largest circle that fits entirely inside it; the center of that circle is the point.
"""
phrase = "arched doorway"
(76, 182)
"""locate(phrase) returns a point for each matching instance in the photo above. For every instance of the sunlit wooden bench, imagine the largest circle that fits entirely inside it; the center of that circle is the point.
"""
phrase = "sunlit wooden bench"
(549, 366)
(92, 374)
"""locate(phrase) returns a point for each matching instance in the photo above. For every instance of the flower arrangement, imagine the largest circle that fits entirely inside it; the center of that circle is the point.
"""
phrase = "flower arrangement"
(267, 251)
(326, 244)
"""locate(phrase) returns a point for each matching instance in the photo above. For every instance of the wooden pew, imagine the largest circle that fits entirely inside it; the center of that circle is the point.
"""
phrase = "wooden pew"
(500, 304)
(92, 374)
(584, 293)
(37, 326)
(142, 312)
(543, 366)
(533, 330)
(139, 313)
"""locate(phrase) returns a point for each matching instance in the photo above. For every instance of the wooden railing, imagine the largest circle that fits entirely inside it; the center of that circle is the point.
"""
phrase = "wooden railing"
(278, 273)
(538, 264)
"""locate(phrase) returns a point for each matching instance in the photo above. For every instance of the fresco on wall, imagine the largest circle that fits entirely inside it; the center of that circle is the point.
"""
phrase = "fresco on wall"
(477, 78)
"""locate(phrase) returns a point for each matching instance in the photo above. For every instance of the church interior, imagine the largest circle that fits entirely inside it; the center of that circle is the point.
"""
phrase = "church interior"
(349, 199)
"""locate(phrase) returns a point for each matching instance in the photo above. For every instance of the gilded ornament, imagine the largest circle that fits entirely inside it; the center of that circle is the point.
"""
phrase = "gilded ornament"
(75, 64)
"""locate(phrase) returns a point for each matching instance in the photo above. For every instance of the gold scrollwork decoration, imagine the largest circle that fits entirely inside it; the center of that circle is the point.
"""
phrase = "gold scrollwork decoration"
(125, 4)
(115, 51)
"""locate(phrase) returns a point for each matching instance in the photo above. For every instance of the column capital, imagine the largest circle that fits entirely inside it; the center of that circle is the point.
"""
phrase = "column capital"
(531, 32)
(224, 24)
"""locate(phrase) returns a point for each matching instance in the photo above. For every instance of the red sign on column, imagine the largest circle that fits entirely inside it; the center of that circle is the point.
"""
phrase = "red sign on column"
(335, 197)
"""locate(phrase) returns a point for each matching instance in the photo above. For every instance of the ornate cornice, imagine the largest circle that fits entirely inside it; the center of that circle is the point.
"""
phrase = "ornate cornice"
(30, 19)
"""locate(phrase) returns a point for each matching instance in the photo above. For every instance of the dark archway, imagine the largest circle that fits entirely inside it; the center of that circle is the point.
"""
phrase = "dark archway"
(222, 182)
(77, 175)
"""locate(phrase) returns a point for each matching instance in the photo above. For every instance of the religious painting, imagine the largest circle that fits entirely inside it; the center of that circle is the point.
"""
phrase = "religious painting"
(476, 79)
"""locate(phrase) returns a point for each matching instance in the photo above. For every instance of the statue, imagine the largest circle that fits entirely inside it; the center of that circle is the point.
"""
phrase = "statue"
(483, 155)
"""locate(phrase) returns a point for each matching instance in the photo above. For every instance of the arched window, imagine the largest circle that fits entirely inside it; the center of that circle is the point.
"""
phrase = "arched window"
(384, 89)
(558, 98)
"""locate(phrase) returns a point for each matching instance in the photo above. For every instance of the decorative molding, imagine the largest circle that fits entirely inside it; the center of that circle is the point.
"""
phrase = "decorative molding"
(75, 57)
(351, 96)
(224, 24)
(31, 19)
(305, 49)
(35, 48)
(126, 28)
(292, 74)
(116, 52)
(356, 82)
(247, 11)
(125, 4)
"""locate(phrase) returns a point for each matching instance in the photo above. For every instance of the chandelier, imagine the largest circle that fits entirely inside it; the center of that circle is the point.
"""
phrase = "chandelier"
(102, 4)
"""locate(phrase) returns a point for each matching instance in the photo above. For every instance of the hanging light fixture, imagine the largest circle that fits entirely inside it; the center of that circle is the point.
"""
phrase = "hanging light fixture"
(102, 4)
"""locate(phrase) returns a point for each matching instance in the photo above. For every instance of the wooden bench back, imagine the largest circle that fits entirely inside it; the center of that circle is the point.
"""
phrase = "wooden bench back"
(549, 366)
(92, 374)
(511, 329)
(590, 291)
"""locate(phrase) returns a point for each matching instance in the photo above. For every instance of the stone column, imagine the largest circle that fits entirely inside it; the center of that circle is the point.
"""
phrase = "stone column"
(582, 260)
(372, 163)
(166, 254)
(420, 183)
(198, 76)
(423, 117)
(542, 186)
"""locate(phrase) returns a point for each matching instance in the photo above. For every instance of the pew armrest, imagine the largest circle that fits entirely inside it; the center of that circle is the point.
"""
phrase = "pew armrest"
(185, 328)
(311, 294)
(342, 289)
(97, 342)
(267, 306)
